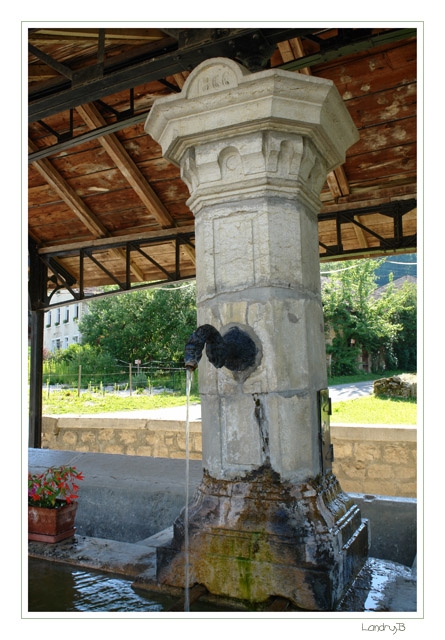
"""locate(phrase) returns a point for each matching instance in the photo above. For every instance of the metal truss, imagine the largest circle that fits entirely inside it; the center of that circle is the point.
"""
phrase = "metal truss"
(397, 242)
(57, 277)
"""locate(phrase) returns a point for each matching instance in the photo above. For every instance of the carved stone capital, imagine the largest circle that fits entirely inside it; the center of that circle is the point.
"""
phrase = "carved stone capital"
(245, 163)
(221, 101)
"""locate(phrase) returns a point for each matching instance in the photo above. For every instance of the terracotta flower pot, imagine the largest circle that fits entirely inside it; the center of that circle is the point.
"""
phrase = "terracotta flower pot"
(51, 525)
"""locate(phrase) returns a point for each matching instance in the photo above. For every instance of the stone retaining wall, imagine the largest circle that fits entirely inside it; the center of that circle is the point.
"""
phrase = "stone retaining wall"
(376, 459)
(368, 459)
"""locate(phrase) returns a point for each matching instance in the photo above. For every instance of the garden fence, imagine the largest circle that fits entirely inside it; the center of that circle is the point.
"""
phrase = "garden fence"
(123, 379)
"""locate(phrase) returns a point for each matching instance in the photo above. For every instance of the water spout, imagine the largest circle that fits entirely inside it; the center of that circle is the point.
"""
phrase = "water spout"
(235, 350)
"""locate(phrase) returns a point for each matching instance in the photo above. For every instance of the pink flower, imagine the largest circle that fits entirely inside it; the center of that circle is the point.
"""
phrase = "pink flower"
(54, 487)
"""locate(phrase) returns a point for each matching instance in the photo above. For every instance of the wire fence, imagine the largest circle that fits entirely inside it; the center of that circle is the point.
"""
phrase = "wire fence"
(121, 380)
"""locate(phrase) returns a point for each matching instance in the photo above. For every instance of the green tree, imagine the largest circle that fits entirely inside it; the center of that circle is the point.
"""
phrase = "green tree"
(357, 319)
(401, 306)
(147, 324)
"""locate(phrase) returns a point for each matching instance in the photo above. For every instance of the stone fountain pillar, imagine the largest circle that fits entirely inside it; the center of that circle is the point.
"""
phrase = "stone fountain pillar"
(269, 518)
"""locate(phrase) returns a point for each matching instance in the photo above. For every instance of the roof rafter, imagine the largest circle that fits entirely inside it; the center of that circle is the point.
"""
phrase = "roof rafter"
(115, 149)
(76, 204)
(112, 145)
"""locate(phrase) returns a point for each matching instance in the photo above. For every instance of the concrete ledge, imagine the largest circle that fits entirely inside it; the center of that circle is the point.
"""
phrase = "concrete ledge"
(381, 432)
(100, 554)
(393, 525)
(132, 498)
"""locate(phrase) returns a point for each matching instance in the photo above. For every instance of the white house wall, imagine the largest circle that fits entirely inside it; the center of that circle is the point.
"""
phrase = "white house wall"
(61, 327)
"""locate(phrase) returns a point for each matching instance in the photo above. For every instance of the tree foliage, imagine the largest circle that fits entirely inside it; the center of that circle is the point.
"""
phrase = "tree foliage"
(151, 325)
(359, 319)
(403, 312)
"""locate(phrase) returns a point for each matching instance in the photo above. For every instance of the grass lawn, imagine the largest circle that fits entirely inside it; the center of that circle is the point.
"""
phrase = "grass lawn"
(375, 410)
(60, 402)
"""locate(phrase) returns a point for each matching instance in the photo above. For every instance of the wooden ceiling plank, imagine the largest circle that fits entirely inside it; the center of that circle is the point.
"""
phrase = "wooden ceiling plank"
(111, 143)
(38, 72)
(68, 195)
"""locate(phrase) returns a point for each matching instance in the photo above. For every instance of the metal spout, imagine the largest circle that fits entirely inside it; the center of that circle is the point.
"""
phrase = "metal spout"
(205, 334)
(235, 351)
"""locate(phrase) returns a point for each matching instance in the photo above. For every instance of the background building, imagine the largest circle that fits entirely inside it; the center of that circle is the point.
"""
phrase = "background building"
(61, 326)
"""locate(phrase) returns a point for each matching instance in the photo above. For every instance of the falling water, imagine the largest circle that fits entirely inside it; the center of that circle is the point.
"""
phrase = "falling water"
(189, 380)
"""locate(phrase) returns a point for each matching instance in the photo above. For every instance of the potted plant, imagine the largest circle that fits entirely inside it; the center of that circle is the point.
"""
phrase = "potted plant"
(52, 503)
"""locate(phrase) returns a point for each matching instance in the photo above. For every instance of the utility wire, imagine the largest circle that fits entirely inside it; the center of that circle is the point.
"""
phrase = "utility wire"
(354, 266)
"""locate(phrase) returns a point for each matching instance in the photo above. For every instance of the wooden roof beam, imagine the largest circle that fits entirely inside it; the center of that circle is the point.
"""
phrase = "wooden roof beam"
(181, 78)
(119, 35)
(360, 234)
(112, 145)
(76, 204)
(68, 195)
(338, 183)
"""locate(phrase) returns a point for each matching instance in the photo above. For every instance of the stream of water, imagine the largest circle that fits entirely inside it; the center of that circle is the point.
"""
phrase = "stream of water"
(189, 380)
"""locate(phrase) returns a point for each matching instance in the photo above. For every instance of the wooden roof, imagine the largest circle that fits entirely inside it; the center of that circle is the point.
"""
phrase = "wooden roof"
(106, 208)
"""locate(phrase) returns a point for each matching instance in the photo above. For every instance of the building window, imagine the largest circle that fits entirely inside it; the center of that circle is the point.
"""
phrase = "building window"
(57, 316)
(76, 339)
(66, 342)
(48, 319)
(76, 312)
(67, 315)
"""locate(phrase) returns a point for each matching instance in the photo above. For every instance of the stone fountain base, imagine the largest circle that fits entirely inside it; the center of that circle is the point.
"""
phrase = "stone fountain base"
(258, 537)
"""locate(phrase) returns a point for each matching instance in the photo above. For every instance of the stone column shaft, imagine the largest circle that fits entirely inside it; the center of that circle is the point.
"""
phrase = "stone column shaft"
(254, 151)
